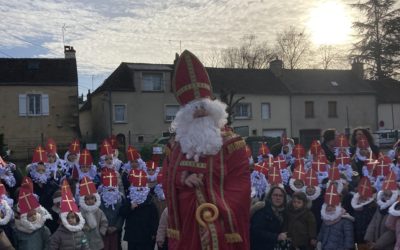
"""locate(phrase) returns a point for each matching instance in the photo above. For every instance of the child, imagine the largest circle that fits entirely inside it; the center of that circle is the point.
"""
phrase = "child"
(69, 234)
(140, 213)
(393, 222)
(107, 163)
(54, 164)
(30, 231)
(6, 213)
(86, 167)
(337, 226)
(300, 225)
(111, 204)
(134, 162)
(96, 221)
(377, 235)
(71, 157)
(297, 182)
(364, 208)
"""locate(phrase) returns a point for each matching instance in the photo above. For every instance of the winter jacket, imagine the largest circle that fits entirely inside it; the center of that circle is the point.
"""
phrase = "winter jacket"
(393, 223)
(265, 227)
(362, 218)
(95, 235)
(141, 223)
(300, 227)
(162, 226)
(337, 236)
(63, 239)
(37, 240)
(377, 231)
(114, 217)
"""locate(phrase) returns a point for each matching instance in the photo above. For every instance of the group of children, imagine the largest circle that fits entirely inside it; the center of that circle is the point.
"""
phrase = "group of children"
(71, 203)
(342, 196)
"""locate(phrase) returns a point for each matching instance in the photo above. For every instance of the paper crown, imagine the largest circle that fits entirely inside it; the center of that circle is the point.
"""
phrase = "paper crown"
(190, 81)
(109, 178)
(132, 154)
(332, 198)
(67, 201)
(151, 165)
(319, 164)
(113, 142)
(341, 141)
(87, 187)
(263, 150)
(138, 178)
(51, 147)
(39, 155)
(334, 173)
(363, 143)
(390, 182)
(280, 162)
(26, 200)
(299, 151)
(106, 148)
(299, 171)
(311, 178)
(261, 167)
(342, 159)
(364, 188)
(382, 168)
(85, 159)
(315, 148)
(274, 176)
(74, 147)
(27, 182)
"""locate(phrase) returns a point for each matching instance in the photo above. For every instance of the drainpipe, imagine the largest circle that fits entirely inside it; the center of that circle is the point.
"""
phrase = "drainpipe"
(110, 111)
(290, 116)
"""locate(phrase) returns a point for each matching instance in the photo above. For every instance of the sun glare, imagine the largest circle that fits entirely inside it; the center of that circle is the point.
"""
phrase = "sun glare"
(330, 23)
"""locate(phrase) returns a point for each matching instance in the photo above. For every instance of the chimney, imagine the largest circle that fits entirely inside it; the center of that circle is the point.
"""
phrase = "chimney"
(358, 68)
(69, 52)
(276, 66)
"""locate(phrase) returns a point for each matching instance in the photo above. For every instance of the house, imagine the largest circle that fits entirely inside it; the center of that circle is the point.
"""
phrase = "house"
(136, 103)
(388, 99)
(321, 99)
(39, 99)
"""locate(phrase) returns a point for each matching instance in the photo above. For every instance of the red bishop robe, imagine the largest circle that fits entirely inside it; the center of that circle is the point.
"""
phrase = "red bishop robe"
(226, 179)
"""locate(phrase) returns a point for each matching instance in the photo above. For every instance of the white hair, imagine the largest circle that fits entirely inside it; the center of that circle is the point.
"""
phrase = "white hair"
(200, 136)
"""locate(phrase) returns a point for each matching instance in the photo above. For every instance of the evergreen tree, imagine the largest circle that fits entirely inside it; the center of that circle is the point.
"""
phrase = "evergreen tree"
(379, 33)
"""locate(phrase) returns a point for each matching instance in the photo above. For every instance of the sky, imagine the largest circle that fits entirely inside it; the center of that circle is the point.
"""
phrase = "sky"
(105, 33)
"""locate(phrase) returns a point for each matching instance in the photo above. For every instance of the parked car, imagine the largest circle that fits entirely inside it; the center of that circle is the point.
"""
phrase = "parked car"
(386, 137)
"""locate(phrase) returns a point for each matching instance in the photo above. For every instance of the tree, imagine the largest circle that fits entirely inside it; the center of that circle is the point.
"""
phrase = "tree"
(292, 47)
(249, 54)
(379, 35)
(227, 96)
(328, 56)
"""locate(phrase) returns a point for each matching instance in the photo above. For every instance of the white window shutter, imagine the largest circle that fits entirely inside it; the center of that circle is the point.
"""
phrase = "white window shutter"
(22, 105)
(45, 104)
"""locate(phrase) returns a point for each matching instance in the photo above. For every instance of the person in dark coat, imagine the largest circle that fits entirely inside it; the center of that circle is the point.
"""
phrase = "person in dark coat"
(328, 144)
(300, 224)
(141, 223)
(267, 223)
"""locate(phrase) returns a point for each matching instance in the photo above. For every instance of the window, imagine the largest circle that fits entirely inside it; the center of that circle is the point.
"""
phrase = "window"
(152, 82)
(170, 112)
(119, 113)
(33, 105)
(265, 111)
(309, 109)
(332, 109)
(243, 111)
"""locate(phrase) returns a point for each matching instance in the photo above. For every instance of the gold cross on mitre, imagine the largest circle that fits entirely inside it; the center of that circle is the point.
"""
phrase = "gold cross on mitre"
(68, 201)
(85, 155)
(110, 176)
(140, 176)
(75, 145)
(25, 197)
(40, 151)
(85, 184)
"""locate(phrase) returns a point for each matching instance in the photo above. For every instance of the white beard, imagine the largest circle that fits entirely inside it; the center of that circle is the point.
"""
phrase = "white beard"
(27, 226)
(200, 136)
(331, 216)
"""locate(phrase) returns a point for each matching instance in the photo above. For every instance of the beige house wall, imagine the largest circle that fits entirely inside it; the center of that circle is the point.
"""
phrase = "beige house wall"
(23, 133)
(362, 111)
(279, 111)
(390, 115)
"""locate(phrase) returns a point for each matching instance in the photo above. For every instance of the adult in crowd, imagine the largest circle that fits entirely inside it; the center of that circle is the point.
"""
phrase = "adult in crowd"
(359, 133)
(328, 144)
(267, 222)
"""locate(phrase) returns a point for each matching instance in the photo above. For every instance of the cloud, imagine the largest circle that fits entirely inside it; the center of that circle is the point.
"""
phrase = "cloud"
(106, 33)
